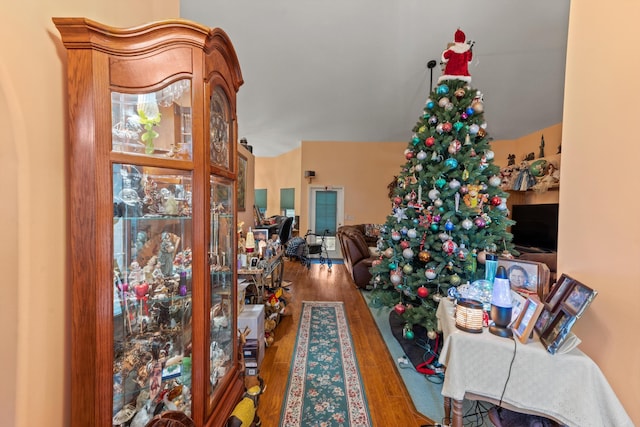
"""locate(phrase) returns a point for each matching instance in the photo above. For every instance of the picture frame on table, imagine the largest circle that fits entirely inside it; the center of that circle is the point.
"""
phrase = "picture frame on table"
(556, 332)
(527, 277)
(558, 292)
(524, 324)
(261, 234)
(577, 298)
(543, 321)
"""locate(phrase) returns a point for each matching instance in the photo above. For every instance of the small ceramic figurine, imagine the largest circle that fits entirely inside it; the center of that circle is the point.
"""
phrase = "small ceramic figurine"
(165, 256)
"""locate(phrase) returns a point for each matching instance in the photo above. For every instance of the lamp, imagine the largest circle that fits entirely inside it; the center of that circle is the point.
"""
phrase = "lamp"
(501, 304)
(469, 315)
(310, 175)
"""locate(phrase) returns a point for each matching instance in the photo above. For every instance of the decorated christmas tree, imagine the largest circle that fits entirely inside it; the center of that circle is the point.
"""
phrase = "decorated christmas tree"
(448, 210)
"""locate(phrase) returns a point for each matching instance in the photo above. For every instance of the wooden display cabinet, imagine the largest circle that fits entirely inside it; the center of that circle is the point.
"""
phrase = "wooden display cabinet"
(152, 221)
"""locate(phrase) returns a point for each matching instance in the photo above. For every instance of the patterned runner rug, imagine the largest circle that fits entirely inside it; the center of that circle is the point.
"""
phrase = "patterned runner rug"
(324, 387)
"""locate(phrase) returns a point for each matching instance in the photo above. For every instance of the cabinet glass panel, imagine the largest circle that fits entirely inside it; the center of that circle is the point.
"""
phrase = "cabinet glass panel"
(221, 261)
(152, 241)
(219, 126)
(155, 124)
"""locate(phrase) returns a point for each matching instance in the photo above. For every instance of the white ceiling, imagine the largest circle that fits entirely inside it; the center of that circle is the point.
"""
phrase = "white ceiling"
(356, 70)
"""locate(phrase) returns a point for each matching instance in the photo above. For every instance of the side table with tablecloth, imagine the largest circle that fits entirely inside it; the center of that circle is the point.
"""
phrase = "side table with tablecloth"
(569, 387)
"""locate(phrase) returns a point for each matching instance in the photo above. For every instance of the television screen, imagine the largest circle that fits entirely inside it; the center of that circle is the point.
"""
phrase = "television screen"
(536, 226)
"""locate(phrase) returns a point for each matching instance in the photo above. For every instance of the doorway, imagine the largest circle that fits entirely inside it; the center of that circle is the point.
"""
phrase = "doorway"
(326, 212)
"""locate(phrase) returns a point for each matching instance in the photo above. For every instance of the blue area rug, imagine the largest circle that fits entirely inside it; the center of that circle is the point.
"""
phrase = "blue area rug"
(324, 387)
(425, 394)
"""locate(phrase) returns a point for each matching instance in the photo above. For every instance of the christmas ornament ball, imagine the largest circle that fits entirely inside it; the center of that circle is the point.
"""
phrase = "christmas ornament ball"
(482, 133)
(478, 107)
(376, 262)
(433, 194)
(409, 155)
(430, 141)
(482, 257)
(395, 235)
(397, 200)
(459, 93)
(412, 233)
(421, 155)
(446, 127)
(396, 277)
(443, 101)
(473, 129)
(422, 292)
(455, 280)
(442, 89)
(407, 253)
(479, 222)
(399, 308)
(404, 244)
(430, 273)
(407, 269)
(431, 334)
(454, 184)
(409, 334)
(496, 201)
(388, 252)
(418, 167)
(495, 181)
(424, 256)
(467, 224)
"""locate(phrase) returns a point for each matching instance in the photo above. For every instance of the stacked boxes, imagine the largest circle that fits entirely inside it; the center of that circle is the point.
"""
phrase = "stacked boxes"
(253, 317)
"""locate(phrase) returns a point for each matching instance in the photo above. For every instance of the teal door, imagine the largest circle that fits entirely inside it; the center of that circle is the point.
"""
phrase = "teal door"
(326, 203)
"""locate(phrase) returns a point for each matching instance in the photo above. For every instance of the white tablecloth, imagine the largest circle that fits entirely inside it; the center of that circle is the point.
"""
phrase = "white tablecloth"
(569, 388)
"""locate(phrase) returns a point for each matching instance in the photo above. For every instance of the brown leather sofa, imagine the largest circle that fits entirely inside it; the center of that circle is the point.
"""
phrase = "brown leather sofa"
(355, 251)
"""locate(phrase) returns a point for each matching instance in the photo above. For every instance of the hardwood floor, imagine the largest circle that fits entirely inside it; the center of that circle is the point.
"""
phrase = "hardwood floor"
(389, 401)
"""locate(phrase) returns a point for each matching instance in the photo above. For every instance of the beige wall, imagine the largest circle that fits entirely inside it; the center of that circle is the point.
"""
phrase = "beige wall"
(599, 235)
(274, 173)
(599, 241)
(35, 297)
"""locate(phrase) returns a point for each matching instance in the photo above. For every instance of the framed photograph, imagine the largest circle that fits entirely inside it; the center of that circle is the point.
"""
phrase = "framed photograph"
(557, 294)
(527, 277)
(261, 234)
(523, 326)
(242, 183)
(557, 331)
(543, 321)
(254, 262)
(578, 298)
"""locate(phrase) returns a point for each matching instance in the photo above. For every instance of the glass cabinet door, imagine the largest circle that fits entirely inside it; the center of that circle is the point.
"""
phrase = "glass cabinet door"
(219, 128)
(222, 257)
(152, 241)
(155, 124)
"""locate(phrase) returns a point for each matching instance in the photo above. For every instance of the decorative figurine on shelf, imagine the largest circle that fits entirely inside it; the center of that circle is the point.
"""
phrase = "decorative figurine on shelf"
(524, 180)
(541, 153)
(551, 177)
(456, 59)
(165, 256)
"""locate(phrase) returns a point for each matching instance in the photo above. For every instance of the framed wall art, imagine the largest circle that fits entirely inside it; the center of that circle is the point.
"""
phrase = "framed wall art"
(242, 183)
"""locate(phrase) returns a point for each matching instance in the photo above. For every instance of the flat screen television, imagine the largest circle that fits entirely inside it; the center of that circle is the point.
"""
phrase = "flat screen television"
(536, 226)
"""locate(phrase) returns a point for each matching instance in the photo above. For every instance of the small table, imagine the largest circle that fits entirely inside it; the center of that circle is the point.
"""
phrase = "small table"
(272, 269)
(569, 388)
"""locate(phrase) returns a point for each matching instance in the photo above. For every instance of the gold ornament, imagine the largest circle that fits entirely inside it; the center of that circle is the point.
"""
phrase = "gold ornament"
(424, 256)
(482, 133)
(478, 107)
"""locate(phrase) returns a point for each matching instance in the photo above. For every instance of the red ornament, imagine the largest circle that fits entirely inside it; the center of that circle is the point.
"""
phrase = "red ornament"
(430, 141)
(409, 155)
(423, 292)
(447, 127)
(399, 308)
(397, 200)
(404, 244)
(495, 201)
